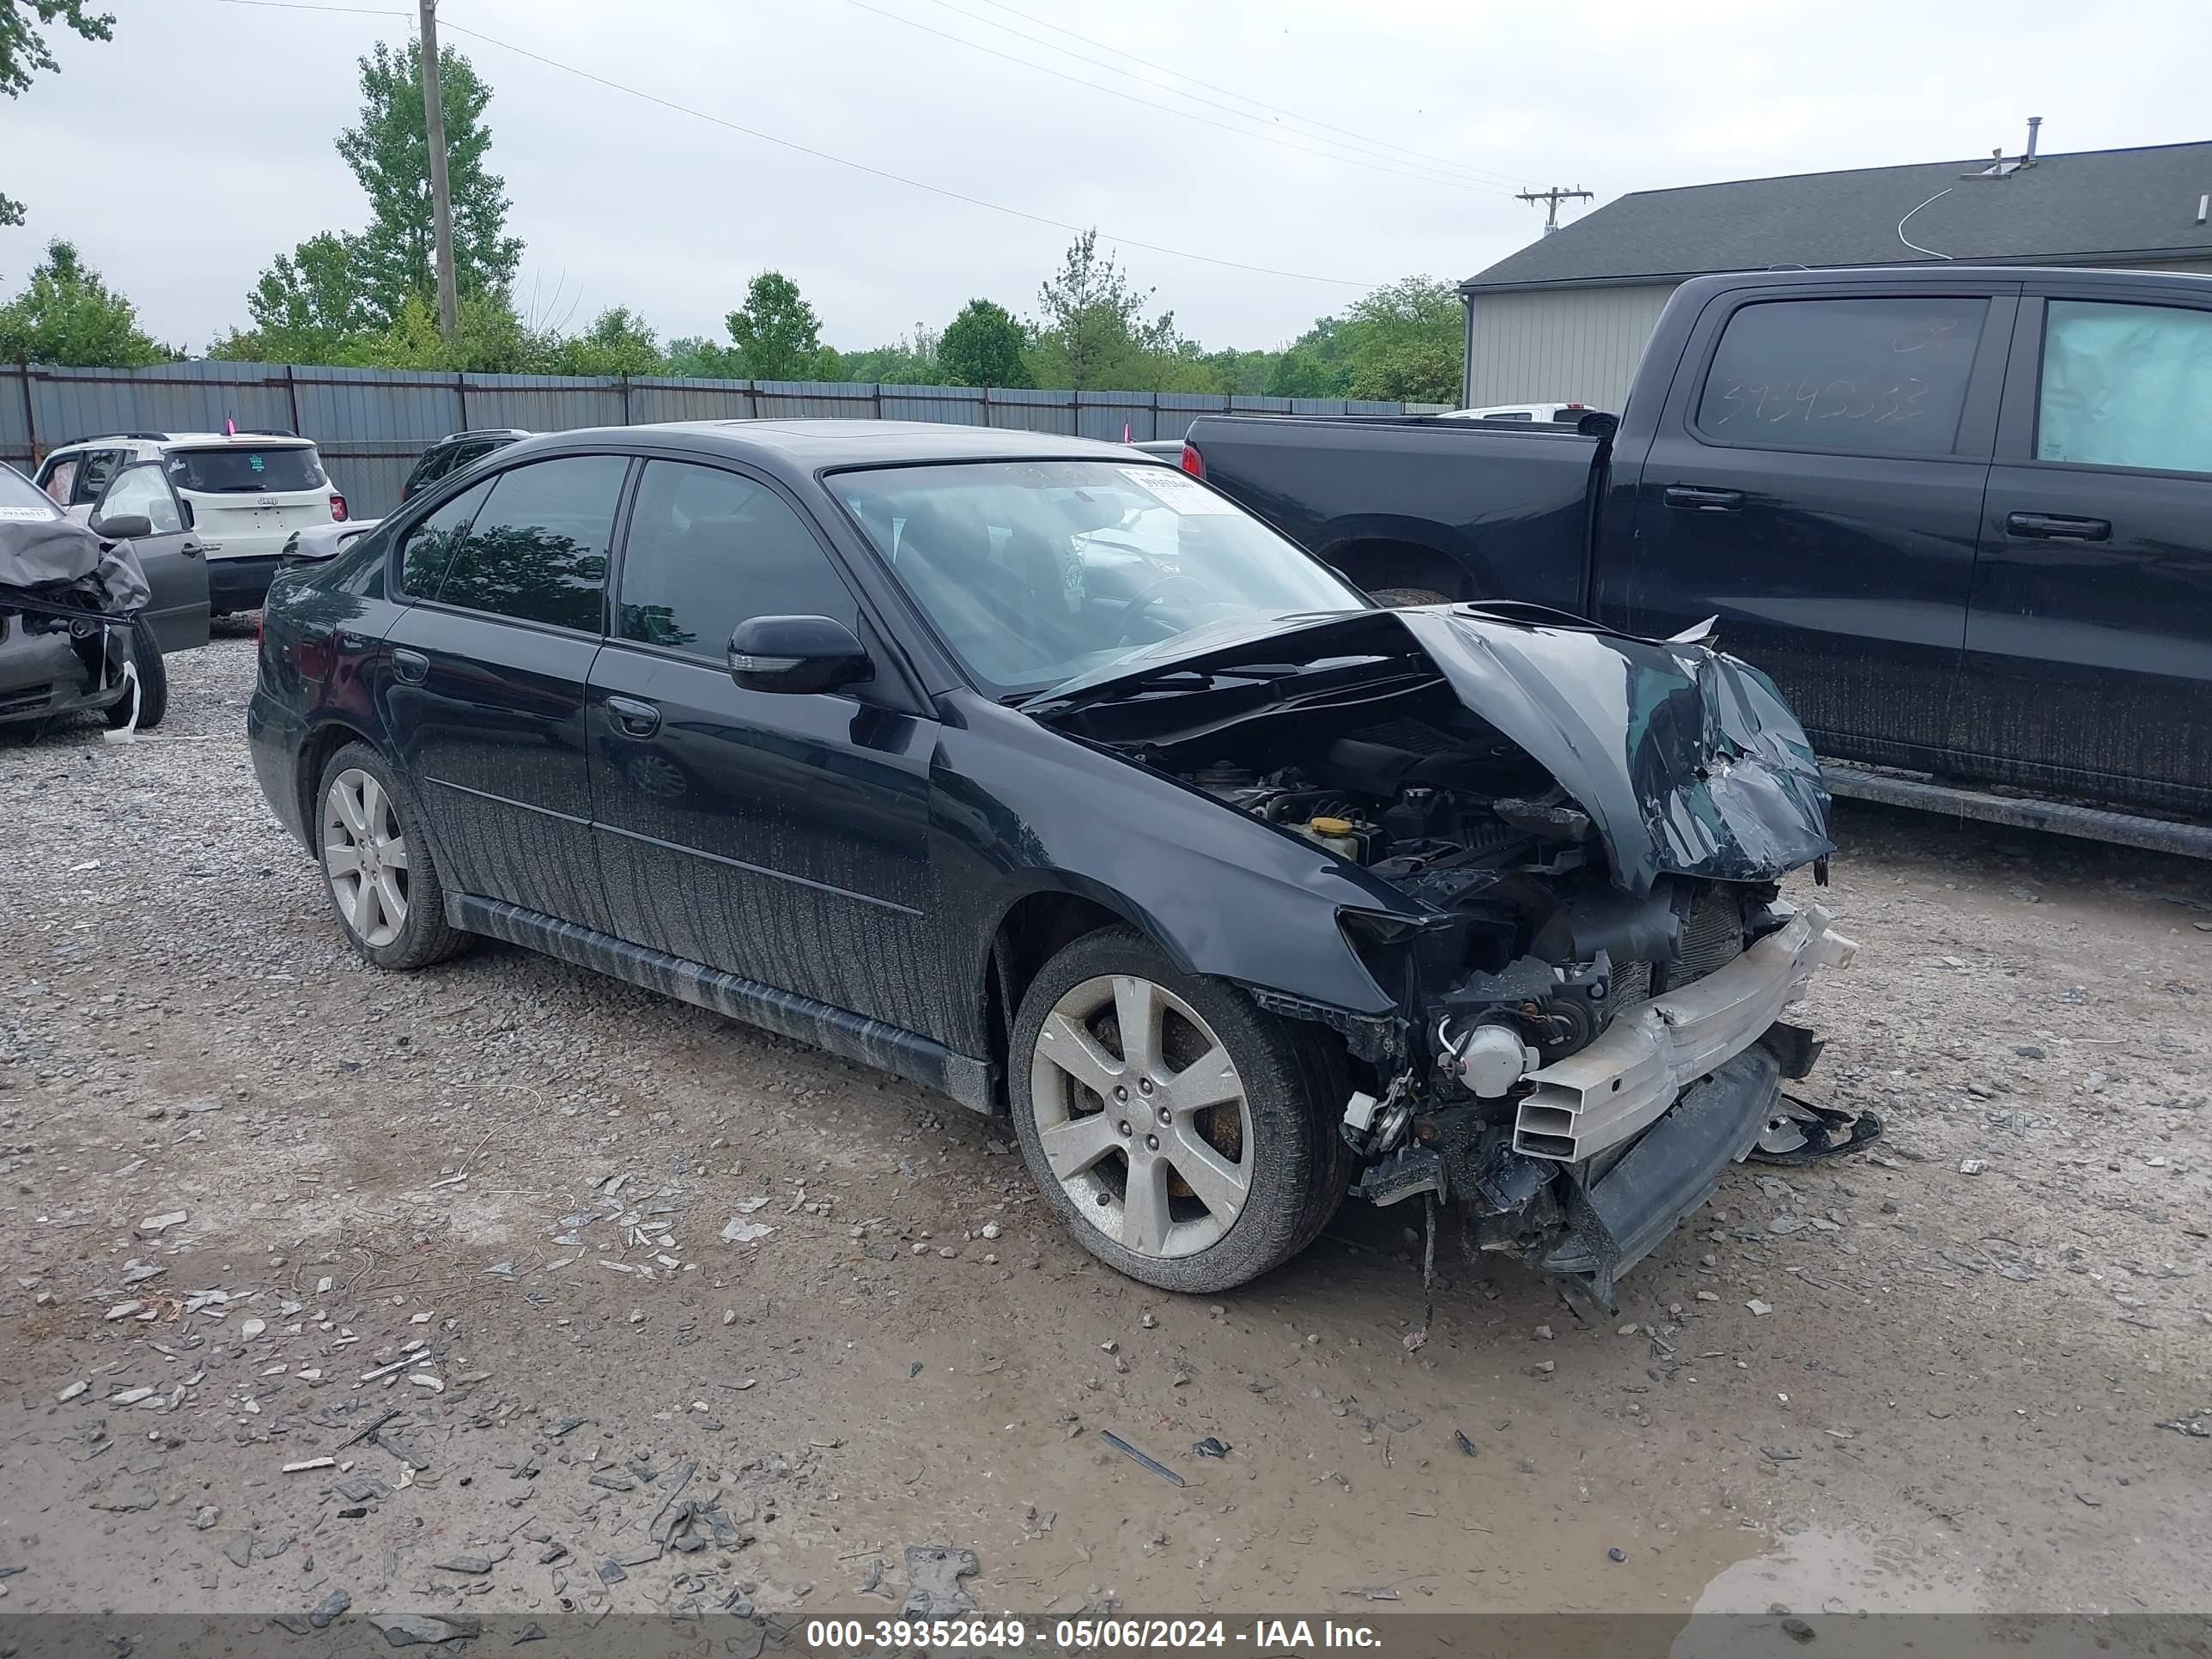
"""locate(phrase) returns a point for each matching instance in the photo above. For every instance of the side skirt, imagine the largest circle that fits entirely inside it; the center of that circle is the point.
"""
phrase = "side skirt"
(852, 1037)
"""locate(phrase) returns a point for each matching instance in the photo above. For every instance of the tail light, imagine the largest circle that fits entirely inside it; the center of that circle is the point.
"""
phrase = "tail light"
(1193, 462)
(337, 509)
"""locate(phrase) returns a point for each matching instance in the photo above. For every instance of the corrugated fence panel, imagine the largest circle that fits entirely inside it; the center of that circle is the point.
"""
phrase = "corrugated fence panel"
(76, 402)
(653, 401)
(15, 419)
(1113, 416)
(1033, 411)
(372, 423)
(542, 403)
(820, 400)
(1177, 409)
(955, 406)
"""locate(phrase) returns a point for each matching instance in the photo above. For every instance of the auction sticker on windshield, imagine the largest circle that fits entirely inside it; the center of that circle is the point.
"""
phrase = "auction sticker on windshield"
(1177, 489)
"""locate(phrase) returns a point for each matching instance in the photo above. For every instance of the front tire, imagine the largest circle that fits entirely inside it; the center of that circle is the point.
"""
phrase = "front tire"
(378, 868)
(1399, 597)
(153, 682)
(1187, 1138)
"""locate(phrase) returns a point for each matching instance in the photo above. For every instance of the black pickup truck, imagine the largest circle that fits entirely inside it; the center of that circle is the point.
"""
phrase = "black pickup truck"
(1962, 515)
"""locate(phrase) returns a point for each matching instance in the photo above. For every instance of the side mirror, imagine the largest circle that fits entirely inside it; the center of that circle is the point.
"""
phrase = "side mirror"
(796, 653)
(125, 527)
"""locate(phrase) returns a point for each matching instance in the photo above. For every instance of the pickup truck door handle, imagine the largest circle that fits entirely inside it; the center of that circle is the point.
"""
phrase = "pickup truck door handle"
(411, 666)
(2057, 527)
(637, 718)
(1708, 500)
(190, 550)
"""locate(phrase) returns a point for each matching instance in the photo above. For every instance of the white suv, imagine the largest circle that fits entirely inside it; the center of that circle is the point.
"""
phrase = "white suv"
(245, 493)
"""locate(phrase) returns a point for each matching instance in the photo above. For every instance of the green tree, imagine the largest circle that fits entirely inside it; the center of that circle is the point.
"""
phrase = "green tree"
(983, 346)
(910, 361)
(1313, 365)
(491, 339)
(1093, 333)
(307, 307)
(618, 342)
(67, 314)
(696, 359)
(390, 155)
(776, 332)
(23, 53)
(1407, 340)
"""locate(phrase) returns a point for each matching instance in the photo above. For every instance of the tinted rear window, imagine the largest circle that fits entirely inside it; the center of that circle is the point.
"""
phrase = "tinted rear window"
(237, 470)
(1882, 376)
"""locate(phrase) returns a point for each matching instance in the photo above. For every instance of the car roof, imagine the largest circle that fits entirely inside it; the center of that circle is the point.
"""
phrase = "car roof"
(193, 439)
(795, 447)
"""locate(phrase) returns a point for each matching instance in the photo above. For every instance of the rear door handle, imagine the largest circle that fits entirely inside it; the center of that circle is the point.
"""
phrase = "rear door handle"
(1708, 500)
(190, 550)
(639, 719)
(411, 666)
(2057, 527)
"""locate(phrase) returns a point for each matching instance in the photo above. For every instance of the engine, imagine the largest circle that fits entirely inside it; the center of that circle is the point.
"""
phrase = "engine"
(1537, 951)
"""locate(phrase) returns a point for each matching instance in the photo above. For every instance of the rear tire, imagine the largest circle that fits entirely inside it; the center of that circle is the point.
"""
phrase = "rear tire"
(1232, 1188)
(153, 682)
(378, 871)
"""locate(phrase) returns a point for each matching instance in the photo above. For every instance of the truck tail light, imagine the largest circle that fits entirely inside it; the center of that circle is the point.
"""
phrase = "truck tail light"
(337, 509)
(1193, 462)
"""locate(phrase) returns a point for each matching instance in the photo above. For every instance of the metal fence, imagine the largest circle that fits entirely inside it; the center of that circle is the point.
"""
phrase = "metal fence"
(370, 423)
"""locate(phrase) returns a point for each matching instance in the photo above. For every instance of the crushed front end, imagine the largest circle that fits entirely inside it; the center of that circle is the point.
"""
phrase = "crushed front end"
(1592, 973)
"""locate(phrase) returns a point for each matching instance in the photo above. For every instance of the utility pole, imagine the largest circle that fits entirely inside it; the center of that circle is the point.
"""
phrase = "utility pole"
(441, 204)
(1550, 197)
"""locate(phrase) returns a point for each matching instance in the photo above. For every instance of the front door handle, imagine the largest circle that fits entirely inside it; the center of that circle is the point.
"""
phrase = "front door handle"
(2057, 527)
(1707, 501)
(637, 718)
(190, 550)
(411, 666)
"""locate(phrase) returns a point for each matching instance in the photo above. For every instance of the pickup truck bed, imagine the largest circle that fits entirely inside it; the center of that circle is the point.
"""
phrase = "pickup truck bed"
(1962, 515)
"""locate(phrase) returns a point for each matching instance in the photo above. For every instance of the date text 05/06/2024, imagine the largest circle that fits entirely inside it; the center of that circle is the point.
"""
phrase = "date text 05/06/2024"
(859, 1636)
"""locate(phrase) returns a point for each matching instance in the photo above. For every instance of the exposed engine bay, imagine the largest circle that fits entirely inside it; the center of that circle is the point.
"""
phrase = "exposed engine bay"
(1584, 1040)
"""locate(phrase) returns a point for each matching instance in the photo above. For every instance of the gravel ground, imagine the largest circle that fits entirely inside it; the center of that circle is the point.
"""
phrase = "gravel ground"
(246, 1174)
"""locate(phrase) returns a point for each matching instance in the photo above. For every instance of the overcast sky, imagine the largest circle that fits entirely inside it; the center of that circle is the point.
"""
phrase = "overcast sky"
(198, 144)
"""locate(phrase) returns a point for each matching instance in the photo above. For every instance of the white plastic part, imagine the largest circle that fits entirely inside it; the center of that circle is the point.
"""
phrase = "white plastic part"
(128, 732)
(1359, 1111)
(1492, 1061)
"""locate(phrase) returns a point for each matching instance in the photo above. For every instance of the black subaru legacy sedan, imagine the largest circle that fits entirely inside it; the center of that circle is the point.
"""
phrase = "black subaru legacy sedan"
(1038, 773)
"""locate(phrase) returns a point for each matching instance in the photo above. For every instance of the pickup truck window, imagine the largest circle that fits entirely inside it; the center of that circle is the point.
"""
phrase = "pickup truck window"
(2126, 385)
(1872, 376)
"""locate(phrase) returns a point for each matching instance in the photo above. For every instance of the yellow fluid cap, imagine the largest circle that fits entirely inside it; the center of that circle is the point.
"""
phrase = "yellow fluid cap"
(1329, 826)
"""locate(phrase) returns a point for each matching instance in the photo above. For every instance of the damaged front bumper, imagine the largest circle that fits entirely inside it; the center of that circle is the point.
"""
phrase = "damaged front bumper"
(1605, 1152)
(1599, 1096)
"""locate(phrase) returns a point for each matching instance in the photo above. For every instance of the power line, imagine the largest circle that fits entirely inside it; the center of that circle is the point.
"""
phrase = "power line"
(1170, 109)
(820, 155)
(304, 5)
(1312, 121)
(881, 173)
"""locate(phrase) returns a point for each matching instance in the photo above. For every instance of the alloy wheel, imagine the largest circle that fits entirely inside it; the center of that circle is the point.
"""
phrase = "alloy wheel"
(1142, 1116)
(365, 856)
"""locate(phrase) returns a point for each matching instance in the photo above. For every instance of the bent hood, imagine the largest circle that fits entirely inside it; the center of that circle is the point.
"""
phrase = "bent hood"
(1687, 760)
(59, 561)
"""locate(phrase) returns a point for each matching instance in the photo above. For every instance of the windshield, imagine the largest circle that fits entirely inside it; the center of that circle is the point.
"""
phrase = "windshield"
(23, 501)
(1036, 571)
(241, 471)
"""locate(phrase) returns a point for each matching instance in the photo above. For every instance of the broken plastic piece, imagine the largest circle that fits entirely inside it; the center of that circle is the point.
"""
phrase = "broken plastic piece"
(1800, 1133)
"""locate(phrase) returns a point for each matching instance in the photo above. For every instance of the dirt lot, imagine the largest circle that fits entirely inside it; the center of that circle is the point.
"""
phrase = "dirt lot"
(1960, 1397)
